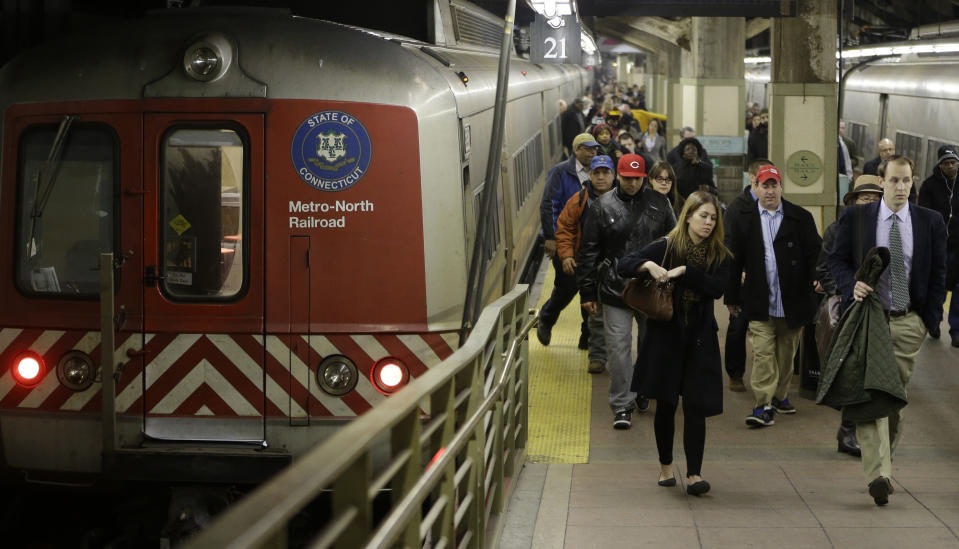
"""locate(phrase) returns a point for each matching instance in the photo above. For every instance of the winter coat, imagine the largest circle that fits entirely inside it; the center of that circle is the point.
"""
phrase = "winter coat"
(861, 375)
(561, 183)
(681, 357)
(616, 225)
(797, 246)
(938, 193)
(569, 225)
(690, 176)
(572, 124)
(758, 144)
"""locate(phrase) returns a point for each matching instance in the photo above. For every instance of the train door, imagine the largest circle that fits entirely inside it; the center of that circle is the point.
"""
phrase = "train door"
(204, 376)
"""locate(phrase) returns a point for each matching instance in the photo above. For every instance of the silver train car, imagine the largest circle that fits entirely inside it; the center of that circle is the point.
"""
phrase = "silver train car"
(291, 204)
(912, 101)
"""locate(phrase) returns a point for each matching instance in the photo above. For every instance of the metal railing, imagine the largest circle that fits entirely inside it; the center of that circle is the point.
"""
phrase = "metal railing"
(445, 474)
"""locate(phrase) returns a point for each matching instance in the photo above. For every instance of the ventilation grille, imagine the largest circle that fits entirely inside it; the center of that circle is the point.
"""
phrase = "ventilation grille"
(477, 27)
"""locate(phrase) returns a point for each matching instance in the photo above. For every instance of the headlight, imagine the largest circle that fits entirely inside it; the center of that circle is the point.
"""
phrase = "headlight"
(76, 371)
(208, 58)
(337, 375)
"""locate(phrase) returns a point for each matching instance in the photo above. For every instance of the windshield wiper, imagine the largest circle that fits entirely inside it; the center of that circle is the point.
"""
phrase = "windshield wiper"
(43, 192)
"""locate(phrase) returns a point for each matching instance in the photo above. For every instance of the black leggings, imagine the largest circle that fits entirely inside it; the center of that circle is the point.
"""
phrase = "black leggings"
(694, 435)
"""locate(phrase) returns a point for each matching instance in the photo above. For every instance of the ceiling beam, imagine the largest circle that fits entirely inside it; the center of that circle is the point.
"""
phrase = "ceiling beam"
(756, 26)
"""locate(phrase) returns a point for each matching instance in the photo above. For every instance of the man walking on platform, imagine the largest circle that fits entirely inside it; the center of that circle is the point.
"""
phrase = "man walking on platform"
(619, 222)
(777, 245)
(911, 290)
(938, 192)
(735, 347)
(569, 232)
(563, 181)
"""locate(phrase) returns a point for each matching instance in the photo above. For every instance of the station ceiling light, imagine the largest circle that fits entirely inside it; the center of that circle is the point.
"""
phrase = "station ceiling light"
(879, 51)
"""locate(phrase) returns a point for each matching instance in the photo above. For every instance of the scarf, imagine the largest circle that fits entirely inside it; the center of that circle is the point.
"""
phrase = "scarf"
(695, 257)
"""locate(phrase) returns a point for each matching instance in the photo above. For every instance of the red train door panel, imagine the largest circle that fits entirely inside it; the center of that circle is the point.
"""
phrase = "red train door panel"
(203, 292)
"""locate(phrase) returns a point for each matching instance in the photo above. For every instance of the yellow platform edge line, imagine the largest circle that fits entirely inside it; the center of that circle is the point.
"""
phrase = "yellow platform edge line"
(560, 390)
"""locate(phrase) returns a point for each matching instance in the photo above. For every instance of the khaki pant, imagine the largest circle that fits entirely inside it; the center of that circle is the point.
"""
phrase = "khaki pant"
(879, 439)
(774, 347)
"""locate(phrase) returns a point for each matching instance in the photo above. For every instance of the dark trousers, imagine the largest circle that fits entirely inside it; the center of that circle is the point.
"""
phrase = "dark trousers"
(564, 290)
(736, 346)
(694, 436)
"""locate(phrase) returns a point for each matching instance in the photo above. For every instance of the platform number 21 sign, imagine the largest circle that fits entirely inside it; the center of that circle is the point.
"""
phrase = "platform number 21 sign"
(555, 44)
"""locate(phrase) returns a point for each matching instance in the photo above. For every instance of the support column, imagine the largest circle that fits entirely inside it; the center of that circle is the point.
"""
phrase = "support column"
(714, 100)
(803, 138)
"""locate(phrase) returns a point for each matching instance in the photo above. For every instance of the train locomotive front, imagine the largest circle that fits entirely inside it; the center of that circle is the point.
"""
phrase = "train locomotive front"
(290, 212)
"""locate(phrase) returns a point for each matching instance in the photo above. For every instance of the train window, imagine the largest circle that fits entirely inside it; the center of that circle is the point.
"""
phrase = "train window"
(911, 146)
(202, 225)
(527, 167)
(66, 206)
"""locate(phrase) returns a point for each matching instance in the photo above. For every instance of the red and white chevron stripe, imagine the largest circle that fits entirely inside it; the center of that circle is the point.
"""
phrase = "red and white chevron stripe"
(196, 375)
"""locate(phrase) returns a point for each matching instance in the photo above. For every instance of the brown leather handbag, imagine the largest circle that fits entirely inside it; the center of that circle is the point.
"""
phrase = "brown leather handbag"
(651, 297)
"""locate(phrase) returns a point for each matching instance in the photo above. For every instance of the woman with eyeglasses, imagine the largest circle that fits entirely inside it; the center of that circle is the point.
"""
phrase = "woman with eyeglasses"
(680, 357)
(662, 179)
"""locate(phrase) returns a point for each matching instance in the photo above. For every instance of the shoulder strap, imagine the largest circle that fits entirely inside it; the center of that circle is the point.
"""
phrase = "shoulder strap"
(582, 196)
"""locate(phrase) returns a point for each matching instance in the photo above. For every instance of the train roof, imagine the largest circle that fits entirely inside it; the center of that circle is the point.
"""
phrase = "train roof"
(275, 55)
(933, 78)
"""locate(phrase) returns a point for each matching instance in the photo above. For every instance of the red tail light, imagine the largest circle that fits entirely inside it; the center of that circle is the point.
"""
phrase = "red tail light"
(389, 375)
(28, 369)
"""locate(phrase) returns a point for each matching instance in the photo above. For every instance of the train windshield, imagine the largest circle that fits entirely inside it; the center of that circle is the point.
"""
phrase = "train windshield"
(66, 207)
(202, 215)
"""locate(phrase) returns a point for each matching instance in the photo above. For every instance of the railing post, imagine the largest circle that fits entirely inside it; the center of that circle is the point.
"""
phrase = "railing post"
(406, 437)
(477, 452)
(351, 490)
(443, 400)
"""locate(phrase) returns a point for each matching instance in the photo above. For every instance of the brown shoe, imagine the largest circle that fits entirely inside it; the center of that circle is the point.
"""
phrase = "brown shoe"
(596, 367)
(736, 385)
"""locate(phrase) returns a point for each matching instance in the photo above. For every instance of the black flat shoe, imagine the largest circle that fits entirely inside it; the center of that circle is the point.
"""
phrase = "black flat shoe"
(671, 481)
(697, 488)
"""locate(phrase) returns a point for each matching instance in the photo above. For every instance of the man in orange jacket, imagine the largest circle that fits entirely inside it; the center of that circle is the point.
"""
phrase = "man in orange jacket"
(568, 233)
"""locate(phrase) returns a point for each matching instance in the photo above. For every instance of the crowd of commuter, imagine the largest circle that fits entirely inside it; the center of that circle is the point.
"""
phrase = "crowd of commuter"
(621, 206)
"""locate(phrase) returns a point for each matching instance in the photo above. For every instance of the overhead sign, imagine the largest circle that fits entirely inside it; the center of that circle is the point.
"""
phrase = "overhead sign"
(555, 40)
(721, 145)
(804, 168)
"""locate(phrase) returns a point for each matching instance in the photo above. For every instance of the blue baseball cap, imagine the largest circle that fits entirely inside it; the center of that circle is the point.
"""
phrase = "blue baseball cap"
(601, 161)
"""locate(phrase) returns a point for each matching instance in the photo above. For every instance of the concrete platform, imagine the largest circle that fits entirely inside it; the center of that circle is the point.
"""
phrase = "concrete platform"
(782, 486)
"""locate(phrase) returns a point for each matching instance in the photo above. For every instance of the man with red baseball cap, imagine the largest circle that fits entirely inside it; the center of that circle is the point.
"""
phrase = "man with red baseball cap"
(617, 223)
(777, 295)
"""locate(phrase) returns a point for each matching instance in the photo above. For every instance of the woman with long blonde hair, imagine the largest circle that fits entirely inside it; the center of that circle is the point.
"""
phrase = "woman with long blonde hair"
(681, 357)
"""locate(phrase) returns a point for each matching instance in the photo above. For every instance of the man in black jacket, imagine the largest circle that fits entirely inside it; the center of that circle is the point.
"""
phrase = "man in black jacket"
(938, 193)
(776, 244)
(886, 149)
(573, 123)
(738, 325)
(758, 143)
(911, 289)
(619, 222)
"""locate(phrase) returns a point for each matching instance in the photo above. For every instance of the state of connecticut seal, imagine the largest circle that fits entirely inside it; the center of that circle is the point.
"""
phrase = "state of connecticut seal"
(331, 150)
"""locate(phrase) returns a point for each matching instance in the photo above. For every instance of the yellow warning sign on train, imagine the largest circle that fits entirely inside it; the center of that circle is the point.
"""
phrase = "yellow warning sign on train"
(180, 224)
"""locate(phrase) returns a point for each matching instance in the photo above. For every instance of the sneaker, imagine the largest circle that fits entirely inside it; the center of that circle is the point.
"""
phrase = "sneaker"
(783, 406)
(623, 419)
(642, 404)
(761, 417)
(544, 333)
(736, 385)
(596, 367)
(583, 341)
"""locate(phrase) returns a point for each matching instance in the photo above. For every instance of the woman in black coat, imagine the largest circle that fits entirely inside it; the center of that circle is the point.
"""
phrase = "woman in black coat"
(692, 172)
(681, 357)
